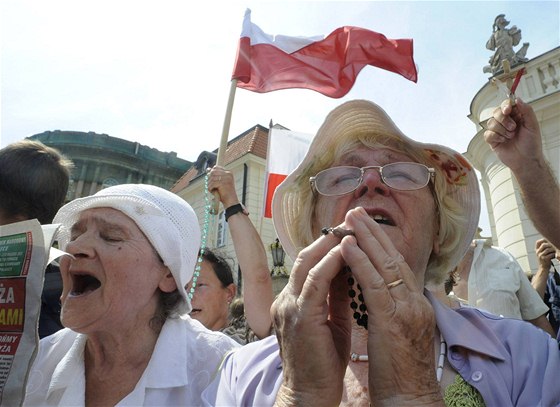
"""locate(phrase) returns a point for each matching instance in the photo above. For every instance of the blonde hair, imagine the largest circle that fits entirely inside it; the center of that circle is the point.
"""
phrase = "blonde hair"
(451, 216)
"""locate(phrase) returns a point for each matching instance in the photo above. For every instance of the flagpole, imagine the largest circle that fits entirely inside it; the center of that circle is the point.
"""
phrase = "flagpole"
(224, 140)
(263, 208)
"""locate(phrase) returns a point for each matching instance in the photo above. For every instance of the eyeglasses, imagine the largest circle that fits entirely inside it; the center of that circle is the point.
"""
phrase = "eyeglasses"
(402, 176)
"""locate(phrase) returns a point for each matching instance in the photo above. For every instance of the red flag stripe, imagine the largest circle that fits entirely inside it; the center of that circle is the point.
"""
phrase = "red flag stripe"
(273, 181)
(286, 150)
(329, 66)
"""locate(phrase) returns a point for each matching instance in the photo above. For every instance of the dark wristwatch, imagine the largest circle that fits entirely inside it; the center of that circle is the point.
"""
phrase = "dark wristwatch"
(233, 209)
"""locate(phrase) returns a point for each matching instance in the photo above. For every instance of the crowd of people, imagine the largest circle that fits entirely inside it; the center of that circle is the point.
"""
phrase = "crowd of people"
(215, 289)
(375, 221)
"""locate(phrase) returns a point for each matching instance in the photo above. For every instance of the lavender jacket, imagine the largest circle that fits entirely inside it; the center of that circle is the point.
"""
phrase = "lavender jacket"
(509, 361)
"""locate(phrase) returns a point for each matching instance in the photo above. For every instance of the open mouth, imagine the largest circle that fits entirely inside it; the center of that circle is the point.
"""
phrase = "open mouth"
(83, 284)
(383, 220)
(195, 311)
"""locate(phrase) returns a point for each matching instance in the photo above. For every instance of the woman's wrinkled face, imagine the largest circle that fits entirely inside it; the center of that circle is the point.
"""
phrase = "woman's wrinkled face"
(210, 301)
(112, 282)
(407, 217)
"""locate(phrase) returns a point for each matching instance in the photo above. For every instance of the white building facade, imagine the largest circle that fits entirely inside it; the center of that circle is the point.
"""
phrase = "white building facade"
(540, 86)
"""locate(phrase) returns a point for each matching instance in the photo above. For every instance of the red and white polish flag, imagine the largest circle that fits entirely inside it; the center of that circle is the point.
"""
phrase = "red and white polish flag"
(286, 149)
(328, 65)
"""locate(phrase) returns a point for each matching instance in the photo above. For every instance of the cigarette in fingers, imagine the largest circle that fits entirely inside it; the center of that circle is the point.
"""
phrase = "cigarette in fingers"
(338, 231)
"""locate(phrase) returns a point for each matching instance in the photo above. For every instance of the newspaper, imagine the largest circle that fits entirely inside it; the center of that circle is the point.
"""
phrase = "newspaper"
(24, 250)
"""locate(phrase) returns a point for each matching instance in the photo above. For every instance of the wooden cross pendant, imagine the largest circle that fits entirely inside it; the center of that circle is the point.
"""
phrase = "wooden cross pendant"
(511, 79)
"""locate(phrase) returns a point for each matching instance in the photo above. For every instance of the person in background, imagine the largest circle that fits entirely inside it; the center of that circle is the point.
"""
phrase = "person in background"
(215, 292)
(34, 181)
(513, 133)
(128, 339)
(371, 217)
(214, 289)
(489, 278)
(546, 281)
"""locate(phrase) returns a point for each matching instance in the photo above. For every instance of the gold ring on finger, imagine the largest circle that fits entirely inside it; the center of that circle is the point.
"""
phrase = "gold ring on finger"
(395, 283)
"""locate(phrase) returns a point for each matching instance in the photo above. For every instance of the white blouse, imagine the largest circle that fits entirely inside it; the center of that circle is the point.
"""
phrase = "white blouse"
(184, 361)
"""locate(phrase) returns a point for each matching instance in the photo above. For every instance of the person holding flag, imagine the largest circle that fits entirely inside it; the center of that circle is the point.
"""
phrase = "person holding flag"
(214, 285)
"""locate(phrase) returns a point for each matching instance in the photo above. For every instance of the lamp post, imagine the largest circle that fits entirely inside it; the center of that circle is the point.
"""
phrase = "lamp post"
(278, 255)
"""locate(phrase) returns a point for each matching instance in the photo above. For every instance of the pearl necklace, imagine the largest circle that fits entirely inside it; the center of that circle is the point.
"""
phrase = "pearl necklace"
(203, 237)
(354, 357)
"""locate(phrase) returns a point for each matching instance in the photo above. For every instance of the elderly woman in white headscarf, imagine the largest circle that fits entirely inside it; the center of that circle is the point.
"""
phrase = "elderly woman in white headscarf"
(371, 217)
(128, 340)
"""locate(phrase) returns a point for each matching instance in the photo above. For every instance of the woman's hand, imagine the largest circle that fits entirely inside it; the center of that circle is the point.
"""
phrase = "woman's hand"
(401, 321)
(545, 253)
(222, 182)
(313, 323)
(514, 135)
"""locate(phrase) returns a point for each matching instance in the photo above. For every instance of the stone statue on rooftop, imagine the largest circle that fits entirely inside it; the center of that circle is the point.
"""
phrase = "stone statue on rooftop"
(502, 42)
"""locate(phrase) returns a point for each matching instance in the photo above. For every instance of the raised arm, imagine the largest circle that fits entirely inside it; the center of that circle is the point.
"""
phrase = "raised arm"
(545, 254)
(250, 253)
(514, 135)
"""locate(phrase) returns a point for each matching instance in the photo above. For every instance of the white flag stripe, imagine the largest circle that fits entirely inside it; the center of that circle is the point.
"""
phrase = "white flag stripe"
(286, 150)
(285, 43)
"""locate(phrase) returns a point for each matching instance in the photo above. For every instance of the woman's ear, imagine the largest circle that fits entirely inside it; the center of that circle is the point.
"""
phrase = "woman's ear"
(232, 291)
(167, 283)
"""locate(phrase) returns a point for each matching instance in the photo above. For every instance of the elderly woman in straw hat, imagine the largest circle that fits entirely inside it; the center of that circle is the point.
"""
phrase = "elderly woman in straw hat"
(372, 217)
(127, 341)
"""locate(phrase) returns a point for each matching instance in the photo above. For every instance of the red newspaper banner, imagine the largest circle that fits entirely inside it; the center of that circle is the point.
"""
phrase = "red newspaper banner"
(24, 249)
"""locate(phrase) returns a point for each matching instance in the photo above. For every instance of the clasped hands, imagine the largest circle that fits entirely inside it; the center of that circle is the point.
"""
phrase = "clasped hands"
(313, 321)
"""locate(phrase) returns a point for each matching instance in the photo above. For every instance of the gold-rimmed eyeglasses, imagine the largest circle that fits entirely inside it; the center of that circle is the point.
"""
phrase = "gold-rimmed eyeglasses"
(402, 176)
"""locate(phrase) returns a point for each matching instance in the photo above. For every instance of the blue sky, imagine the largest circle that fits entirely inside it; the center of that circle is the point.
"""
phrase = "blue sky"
(158, 72)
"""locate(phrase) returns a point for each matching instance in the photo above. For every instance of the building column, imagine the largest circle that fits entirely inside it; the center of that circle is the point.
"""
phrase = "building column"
(81, 180)
(94, 181)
